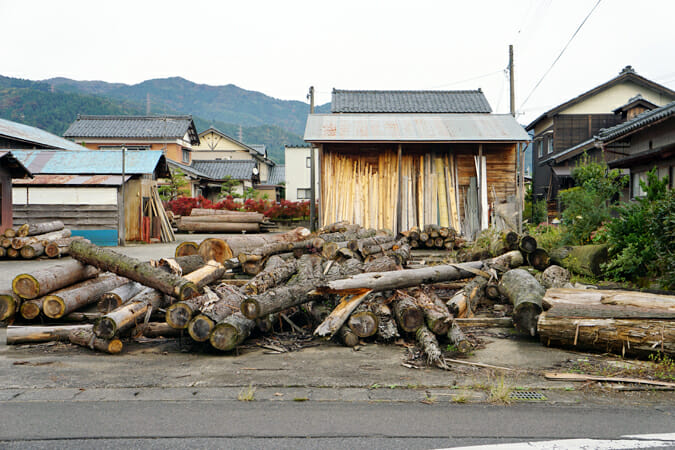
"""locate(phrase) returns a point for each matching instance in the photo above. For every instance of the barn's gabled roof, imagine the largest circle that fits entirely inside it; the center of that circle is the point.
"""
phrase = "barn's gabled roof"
(237, 169)
(35, 137)
(345, 101)
(9, 162)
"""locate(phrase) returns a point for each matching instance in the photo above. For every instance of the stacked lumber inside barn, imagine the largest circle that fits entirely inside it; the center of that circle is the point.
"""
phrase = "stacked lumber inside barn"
(34, 240)
(203, 220)
(347, 283)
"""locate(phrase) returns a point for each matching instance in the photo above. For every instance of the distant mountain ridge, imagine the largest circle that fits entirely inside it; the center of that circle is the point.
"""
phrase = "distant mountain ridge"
(53, 105)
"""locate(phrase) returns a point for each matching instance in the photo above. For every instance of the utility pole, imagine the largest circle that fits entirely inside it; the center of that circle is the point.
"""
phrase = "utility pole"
(512, 83)
(312, 168)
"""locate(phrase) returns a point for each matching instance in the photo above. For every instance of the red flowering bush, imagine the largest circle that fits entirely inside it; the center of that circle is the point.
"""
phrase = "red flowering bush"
(283, 210)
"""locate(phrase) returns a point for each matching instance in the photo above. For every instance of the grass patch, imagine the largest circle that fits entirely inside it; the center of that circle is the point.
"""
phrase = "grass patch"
(500, 393)
(247, 394)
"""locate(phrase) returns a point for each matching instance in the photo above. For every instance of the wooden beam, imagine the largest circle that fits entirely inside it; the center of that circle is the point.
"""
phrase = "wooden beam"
(398, 192)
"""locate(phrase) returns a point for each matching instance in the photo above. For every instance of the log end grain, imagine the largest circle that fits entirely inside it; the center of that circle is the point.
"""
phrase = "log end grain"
(115, 346)
(8, 306)
(53, 306)
(31, 309)
(187, 249)
(539, 259)
(187, 291)
(348, 337)
(108, 302)
(250, 308)
(214, 249)
(224, 337)
(200, 328)
(26, 286)
(178, 315)
(528, 244)
(363, 323)
(105, 328)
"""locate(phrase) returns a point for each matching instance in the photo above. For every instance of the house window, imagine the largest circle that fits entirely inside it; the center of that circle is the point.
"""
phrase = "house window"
(186, 156)
(550, 144)
(308, 162)
(540, 148)
(304, 194)
(636, 189)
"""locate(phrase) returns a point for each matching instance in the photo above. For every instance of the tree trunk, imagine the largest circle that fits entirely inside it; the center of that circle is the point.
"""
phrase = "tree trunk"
(276, 272)
(347, 336)
(228, 302)
(61, 247)
(179, 314)
(525, 294)
(363, 322)
(231, 331)
(19, 242)
(539, 259)
(527, 244)
(217, 227)
(186, 249)
(30, 309)
(335, 227)
(115, 298)
(429, 344)
(458, 338)
(340, 314)
(9, 305)
(358, 245)
(438, 318)
(409, 315)
(66, 300)
(44, 281)
(133, 269)
(187, 264)
(583, 259)
(86, 338)
(384, 264)
(555, 277)
(128, 315)
(404, 278)
(386, 326)
(347, 236)
(256, 219)
(211, 272)
(155, 330)
(507, 261)
(225, 213)
(39, 228)
(34, 334)
(32, 251)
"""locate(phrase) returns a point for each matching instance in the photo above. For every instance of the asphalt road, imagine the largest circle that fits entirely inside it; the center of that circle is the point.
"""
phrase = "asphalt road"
(301, 425)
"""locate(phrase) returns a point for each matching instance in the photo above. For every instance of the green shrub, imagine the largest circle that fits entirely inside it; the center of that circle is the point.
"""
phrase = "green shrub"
(548, 236)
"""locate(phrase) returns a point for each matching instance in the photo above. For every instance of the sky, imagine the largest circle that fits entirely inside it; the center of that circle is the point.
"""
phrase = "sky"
(281, 48)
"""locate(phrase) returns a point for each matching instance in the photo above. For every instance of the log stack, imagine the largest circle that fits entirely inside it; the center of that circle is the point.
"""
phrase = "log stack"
(31, 241)
(223, 221)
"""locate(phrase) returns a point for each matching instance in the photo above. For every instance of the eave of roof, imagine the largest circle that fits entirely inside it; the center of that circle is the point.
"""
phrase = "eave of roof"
(623, 76)
(35, 136)
(569, 153)
(645, 119)
(84, 127)
(231, 139)
(16, 168)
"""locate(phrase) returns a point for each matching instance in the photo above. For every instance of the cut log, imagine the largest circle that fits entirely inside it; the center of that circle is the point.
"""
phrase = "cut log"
(492, 291)
(526, 295)
(340, 314)
(66, 300)
(43, 281)
(155, 330)
(35, 334)
(116, 297)
(555, 277)
(82, 317)
(217, 227)
(436, 313)
(430, 348)
(201, 212)
(231, 331)
(32, 251)
(592, 297)
(363, 322)
(384, 264)
(222, 219)
(379, 281)
(9, 305)
(6, 242)
(133, 269)
(61, 247)
(12, 253)
(639, 337)
(86, 338)
(507, 261)
(386, 325)
(214, 249)
(234, 245)
(209, 273)
(186, 249)
(19, 242)
(10, 233)
(539, 259)
(260, 253)
(224, 302)
(408, 314)
(276, 272)
(129, 314)
(30, 309)
(347, 236)
(187, 264)
(527, 244)
(318, 311)
(489, 322)
(348, 337)
(340, 226)
(33, 229)
(458, 305)
(583, 259)
(458, 339)
(358, 245)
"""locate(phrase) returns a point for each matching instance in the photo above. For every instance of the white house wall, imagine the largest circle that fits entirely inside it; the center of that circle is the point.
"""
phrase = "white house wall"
(298, 175)
(64, 195)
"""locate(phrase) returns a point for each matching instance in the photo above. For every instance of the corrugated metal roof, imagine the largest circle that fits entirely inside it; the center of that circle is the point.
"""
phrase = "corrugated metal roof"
(74, 180)
(277, 174)
(9, 162)
(639, 121)
(165, 127)
(345, 101)
(414, 128)
(107, 162)
(237, 169)
(35, 136)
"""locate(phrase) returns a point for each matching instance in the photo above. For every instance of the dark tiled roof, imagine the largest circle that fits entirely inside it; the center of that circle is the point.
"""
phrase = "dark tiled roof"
(409, 102)
(277, 174)
(637, 122)
(172, 127)
(39, 138)
(260, 148)
(237, 169)
(188, 170)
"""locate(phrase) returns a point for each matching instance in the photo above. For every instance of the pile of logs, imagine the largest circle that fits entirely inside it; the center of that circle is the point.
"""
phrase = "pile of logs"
(434, 236)
(223, 221)
(30, 241)
(345, 283)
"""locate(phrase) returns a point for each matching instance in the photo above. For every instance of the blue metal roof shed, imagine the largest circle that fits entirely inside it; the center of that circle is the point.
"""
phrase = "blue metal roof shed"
(26, 136)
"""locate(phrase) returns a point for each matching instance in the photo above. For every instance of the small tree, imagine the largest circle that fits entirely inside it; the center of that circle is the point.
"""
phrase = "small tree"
(177, 186)
(227, 188)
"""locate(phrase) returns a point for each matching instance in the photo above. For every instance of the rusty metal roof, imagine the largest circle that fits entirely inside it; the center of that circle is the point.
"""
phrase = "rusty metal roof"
(13, 165)
(93, 162)
(35, 136)
(74, 180)
(436, 128)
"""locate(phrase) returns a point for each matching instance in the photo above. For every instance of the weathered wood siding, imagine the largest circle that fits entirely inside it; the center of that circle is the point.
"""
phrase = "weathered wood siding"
(75, 217)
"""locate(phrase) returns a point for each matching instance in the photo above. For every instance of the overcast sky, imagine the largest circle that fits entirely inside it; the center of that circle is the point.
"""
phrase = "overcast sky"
(281, 47)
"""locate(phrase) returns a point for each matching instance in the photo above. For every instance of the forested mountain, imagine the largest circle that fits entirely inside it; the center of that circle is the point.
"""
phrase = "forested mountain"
(54, 104)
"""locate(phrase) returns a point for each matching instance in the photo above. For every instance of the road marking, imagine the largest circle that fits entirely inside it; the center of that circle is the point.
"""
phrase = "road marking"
(625, 442)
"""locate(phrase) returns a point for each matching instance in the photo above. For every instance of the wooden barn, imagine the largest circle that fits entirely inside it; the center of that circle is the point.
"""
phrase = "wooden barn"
(398, 159)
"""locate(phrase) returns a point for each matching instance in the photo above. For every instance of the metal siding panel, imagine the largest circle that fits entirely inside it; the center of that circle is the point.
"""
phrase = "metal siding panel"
(102, 238)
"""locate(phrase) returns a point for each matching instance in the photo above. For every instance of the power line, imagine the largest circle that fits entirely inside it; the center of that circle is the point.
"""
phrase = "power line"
(561, 53)
(468, 79)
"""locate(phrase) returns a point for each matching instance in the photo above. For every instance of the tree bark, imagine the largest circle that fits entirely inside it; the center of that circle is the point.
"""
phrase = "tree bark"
(44, 281)
(386, 326)
(340, 314)
(231, 331)
(526, 295)
(347, 336)
(66, 300)
(155, 330)
(555, 277)
(436, 313)
(60, 247)
(217, 227)
(186, 249)
(539, 259)
(86, 338)
(340, 226)
(35, 334)
(347, 236)
(127, 315)
(458, 338)
(276, 272)
(429, 344)
(39, 228)
(9, 305)
(19, 242)
(32, 251)
(384, 264)
(227, 303)
(133, 269)
(583, 259)
(409, 315)
(507, 261)
(404, 278)
(115, 298)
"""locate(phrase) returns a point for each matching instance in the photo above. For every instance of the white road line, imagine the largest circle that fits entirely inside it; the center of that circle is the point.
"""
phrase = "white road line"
(625, 442)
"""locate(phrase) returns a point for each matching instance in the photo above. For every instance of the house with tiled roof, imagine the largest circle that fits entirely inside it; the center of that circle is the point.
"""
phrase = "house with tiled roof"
(173, 135)
(403, 159)
(566, 132)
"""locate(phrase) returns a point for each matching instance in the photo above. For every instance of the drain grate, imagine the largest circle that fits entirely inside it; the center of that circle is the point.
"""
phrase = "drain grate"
(527, 395)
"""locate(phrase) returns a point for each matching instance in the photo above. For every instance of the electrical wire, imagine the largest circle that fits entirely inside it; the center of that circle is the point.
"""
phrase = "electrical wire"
(561, 53)
(468, 79)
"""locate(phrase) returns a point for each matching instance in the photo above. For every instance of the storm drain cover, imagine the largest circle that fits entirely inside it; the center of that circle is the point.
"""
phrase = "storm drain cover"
(527, 395)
